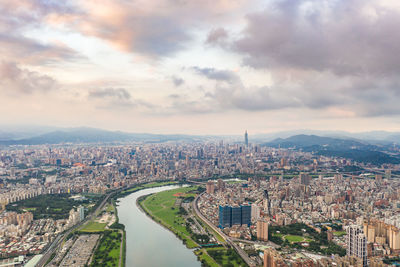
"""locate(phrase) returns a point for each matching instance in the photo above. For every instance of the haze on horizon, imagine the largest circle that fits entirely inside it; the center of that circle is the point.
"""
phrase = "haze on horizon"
(201, 67)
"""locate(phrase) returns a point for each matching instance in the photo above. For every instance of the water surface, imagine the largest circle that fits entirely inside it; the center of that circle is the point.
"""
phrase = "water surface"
(148, 243)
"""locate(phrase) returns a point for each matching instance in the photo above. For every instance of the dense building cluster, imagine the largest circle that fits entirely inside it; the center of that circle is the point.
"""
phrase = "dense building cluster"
(281, 187)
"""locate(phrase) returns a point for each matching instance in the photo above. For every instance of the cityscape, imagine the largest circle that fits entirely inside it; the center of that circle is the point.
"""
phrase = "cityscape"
(199, 133)
(241, 204)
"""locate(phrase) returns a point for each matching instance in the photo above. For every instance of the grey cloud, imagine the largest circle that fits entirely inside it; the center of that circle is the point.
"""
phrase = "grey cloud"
(336, 36)
(177, 81)
(116, 98)
(157, 36)
(217, 36)
(14, 79)
(32, 52)
(361, 95)
(24, 15)
(117, 93)
(218, 75)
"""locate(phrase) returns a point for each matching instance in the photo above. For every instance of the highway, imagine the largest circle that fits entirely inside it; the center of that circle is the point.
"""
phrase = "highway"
(238, 249)
(58, 240)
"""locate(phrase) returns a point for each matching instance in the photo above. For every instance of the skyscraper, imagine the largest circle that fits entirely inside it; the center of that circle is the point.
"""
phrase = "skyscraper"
(225, 216)
(246, 139)
(229, 215)
(262, 230)
(356, 243)
(304, 179)
(81, 211)
(236, 215)
(210, 187)
(246, 214)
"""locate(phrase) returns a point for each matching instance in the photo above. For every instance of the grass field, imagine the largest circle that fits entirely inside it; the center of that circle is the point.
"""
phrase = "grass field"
(107, 252)
(92, 227)
(110, 208)
(339, 233)
(226, 257)
(203, 256)
(294, 238)
(161, 207)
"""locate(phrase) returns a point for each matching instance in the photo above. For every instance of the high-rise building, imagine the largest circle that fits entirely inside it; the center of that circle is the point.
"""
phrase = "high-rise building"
(210, 187)
(221, 185)
(81, 211)
(229, 215)
(255, 212)
(225, 216)
(246, 214)
(273, 259)
(246, 139)
(262, 230)
(236, 215)
(388, 174)
(379, 232)
(356, 243)
(304, 179)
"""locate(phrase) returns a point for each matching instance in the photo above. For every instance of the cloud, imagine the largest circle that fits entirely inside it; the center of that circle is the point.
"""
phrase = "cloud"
(30, 51)
(23, 14)
(20, 17)
(116, 98)
(177, 81)
(217, 36)
(155, 29)
(117, 93)
(218, 75)
(356, 95)
(14, 79)
(347, 37)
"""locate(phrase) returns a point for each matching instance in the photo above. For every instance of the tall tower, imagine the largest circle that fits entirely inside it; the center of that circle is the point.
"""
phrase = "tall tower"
(356, 243)
(246, 139)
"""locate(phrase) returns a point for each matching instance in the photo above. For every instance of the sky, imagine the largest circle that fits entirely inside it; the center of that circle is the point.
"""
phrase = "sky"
(201, 66)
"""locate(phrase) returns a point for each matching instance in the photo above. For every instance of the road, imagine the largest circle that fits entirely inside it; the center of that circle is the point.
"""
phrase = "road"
(238, 249)
(58, 240)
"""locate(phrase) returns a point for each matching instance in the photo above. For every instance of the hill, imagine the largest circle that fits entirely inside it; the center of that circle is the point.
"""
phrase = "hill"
(360, 151)
(91, 135)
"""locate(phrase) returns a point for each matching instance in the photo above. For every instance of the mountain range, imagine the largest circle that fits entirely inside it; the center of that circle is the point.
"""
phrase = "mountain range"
(92, 135)
(357, 150)
(31, 134)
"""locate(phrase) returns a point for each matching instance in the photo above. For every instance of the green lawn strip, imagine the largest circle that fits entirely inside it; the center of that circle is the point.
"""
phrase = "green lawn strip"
(226, 257)
(204, 257)
(339, 233)
(110, 208)
(161, 207)
(294, 238)
(92, 227)
(108, 250)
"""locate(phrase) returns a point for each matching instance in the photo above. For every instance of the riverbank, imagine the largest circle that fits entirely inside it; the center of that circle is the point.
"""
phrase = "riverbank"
(163, 211)
(144, 236)
(166, 209)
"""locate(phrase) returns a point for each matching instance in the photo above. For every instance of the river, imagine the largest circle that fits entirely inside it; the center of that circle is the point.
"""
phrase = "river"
(148, 243)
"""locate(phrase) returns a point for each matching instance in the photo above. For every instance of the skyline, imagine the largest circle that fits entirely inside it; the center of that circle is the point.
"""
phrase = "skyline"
(209, 67)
